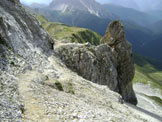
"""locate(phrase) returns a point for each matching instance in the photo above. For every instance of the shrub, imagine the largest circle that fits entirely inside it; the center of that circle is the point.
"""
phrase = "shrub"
(59, 85)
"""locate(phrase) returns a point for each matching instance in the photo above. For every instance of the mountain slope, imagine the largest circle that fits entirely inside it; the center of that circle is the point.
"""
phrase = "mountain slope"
(142, 5)
(141, 76)
(156, 13)
(153, 48)
(133, 20)
(135, 33)
(65, 33)
(130, 14)
(145, 68)
(90, 6)
(31, 76)
(24, 45)
(150, 74)
(143, 65)
(76, 18)
(157, 27)
(148, 84)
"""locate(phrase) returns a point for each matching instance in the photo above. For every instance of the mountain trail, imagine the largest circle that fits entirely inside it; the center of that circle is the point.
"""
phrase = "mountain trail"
(33, 110)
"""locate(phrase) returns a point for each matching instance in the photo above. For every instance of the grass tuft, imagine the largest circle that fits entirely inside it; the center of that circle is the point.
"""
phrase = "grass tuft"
(59, 85)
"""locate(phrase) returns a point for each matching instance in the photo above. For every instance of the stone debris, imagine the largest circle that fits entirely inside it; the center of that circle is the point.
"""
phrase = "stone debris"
(28, 67)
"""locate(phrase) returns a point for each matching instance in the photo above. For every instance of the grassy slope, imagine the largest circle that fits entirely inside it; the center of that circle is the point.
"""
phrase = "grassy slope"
(65, 33)
(145, 72)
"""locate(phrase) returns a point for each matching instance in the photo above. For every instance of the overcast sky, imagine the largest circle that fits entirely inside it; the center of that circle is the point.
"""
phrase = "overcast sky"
(48, 1)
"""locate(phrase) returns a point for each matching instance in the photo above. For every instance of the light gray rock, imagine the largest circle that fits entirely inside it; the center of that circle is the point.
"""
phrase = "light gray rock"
(23, 45)
(108, 64)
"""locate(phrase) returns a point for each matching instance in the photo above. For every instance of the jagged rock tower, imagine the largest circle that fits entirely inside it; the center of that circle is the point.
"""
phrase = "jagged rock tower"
(122, 50)
(108, 64)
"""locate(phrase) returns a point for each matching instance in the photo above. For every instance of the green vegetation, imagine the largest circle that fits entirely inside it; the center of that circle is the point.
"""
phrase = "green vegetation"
(12, 63)
(46, 77)
(59, 85)
(156, 99)
(70, 88)
(65, 33)
(146, 73)
(1, 87)
(2, 41)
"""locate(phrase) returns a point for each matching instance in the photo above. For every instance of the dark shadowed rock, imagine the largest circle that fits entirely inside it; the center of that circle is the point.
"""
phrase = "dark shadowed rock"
(122, 50)
(107, 64)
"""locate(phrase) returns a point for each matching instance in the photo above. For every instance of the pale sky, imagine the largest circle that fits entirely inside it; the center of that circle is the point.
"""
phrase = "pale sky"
(47, 1)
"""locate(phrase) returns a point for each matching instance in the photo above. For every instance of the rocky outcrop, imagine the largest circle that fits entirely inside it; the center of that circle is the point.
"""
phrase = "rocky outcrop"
(121, 49)
(23, 45)
(108, 64)
(95, 63)
(29, 71)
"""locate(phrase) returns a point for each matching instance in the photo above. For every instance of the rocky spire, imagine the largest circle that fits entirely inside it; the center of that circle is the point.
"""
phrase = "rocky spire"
(122, 50)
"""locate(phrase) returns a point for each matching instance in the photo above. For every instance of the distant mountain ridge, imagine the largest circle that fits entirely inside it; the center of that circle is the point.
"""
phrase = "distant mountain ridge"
(38, 5)
(90, 6)
(142, 5)
(124, 13)
(84, 13)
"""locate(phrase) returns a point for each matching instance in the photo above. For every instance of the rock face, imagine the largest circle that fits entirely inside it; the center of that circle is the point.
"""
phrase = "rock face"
(108, 64)
(95, 63)
(29, 71)
(19, 28)
(23, 45)
(121, 49)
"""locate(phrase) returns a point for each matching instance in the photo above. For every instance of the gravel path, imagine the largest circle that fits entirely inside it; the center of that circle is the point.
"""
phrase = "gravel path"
(90, 103)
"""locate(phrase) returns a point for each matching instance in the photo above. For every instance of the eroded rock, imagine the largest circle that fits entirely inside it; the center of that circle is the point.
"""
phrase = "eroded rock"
(122, 50)
(23, 44)
(108, 64)
(95, 63)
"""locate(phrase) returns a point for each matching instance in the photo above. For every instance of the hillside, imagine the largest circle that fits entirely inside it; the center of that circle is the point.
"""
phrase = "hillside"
(148, 73)
(143, 65)
(65, 33)
(153, 48)
(135, 33)
(45, 81)
(129, 14)
(146, 70)
(142, 28)
(149, 77)
(36, 86)
(90, 6)
(76, 18)
(157, 27)
(144, 5)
